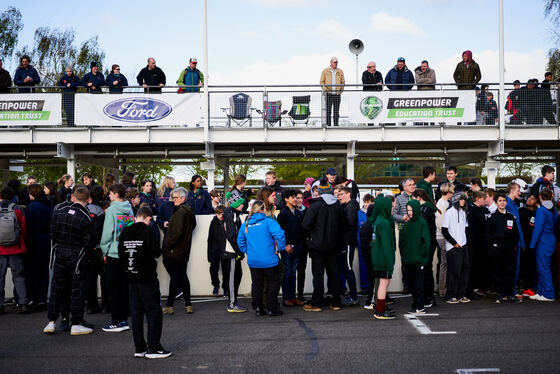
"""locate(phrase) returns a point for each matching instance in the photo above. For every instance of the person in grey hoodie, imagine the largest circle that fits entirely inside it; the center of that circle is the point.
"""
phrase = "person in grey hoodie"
(117, 217)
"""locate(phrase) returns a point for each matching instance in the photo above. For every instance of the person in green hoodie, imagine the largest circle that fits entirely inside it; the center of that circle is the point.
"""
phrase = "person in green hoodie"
(429, 175)
(415, 248)
(382, 251)
(117, 217)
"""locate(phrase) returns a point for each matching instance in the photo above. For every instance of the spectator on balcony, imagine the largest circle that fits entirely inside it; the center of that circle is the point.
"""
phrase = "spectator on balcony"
(152, 78)
(547, 80)
(115, 80)
(371, 78)
(545, 99)
(529, 103)
(467, 73)
(69, 83)
(5, 79)
(26, 75)
(481, 104)
(425, 76)
(332, 81)
(491, 110)
(94, 80)
(190, 79)
(399, 78)
(512, 104)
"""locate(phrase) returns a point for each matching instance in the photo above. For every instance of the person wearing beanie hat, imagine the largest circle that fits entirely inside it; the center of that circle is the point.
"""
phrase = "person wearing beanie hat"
(94, 80)
(453, 229)
(307, 194)
(190, 79)
(232, 271)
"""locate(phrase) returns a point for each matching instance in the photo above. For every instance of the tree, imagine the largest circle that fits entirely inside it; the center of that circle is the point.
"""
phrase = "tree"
(553, 64)
(552, 11)
(55, 49)
(10, 26)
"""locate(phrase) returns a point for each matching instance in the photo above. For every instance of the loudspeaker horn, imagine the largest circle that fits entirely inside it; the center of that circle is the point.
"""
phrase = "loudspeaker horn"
(356, 46)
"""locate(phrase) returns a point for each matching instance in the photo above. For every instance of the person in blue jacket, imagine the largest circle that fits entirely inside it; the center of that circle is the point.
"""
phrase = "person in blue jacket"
(256, 238)
(514, 192)
(190, 79)
(199, 199)
(400, 78)
(93, 80)
(26, 75)
(115, 80)
(69, 83)
(543, 243)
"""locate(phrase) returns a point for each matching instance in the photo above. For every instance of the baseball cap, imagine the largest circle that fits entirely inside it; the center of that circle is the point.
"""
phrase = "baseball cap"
(400, 59)
(331, 171)
(194, 60)
(334, 59)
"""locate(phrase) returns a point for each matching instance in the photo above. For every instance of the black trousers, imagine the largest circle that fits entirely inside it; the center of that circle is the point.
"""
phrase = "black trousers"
(528, 269)
(333, 104)
(416, 282)
(68, 104)
(429, 283)
(215, 262)
(144, 299)
(272, 276)
(232, 280)
(504, 265)
(480, 267)
(179, 280)
(36, 269)
(95, 270)
(321, 262)
(458, 269)
(69, 274)
(118, 286)
(302, 266)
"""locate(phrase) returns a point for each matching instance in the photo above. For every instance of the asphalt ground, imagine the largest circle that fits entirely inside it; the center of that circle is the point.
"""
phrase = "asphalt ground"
(518, 338)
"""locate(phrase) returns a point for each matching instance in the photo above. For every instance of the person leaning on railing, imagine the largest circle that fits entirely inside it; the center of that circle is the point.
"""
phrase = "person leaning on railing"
(190, 79)
(425, 76)
(5, 80)
(372, 78)
(115, 80)
(467, 73)
(69, 83)
(26, 75)
(150, 76)
(399, 78)
(94, 80)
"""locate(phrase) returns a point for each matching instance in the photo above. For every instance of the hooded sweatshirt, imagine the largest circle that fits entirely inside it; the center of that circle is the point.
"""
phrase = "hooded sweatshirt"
(545, 223)
(455, 223)
(415, 238)
(467, 72)
(256, 238)
(383, 237)
(324, 220)
(138, 250)
(117, 217)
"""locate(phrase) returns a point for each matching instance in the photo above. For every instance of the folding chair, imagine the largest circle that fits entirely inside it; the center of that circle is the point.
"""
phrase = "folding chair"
(239, 110)
(272, 113)
(299, 113)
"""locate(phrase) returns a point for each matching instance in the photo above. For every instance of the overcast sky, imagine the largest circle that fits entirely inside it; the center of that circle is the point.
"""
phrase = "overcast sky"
(290, 41)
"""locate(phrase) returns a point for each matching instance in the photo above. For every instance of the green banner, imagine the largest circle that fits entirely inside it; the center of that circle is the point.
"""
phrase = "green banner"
(425, 113)
(25, 116)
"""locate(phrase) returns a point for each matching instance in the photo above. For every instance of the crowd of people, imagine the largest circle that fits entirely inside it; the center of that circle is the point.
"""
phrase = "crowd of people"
(486, 244)
(531, 104)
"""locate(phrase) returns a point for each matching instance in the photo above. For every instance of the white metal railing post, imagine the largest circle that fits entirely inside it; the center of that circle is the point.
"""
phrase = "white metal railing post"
(206, 101)
(501, 94)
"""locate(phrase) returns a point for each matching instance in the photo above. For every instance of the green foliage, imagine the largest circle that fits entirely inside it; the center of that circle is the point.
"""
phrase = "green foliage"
(10, 26)
(153, 169)
(246, 169)
(89, 51)
(553, 64)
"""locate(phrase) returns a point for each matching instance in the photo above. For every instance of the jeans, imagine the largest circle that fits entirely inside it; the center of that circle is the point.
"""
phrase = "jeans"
(145, 299)
(442, 279)
(118, 287)
(178, 280)
(346, 263)
(272, 276)
(16, 266)
(416, 279)
(321, 262)
(290, 264)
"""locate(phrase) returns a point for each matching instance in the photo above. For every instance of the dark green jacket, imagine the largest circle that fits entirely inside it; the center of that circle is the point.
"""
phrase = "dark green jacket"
(429, 190)
(383, 247)
(415, 238)
(467, 77)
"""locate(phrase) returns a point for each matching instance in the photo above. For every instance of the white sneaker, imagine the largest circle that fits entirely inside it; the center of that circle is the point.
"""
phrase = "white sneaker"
(534, 297)
(541, 298)
(80, 330)
(369, 307)
(49, 328)
(140, 354)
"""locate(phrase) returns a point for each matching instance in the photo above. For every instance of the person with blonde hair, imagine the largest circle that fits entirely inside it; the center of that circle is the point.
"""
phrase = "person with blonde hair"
(257, 238)
(164, 190)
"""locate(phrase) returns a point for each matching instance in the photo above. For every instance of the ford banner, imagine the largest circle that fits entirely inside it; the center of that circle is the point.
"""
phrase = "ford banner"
(139, 109)
(30, 109)
(403, 106)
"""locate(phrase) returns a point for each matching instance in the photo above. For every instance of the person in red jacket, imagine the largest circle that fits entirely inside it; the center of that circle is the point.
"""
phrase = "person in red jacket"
(12, 250)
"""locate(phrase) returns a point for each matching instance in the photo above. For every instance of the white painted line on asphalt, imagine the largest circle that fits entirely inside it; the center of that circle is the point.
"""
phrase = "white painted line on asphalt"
(399, 296)
(478, 370)
(422, 327)
(206, 300)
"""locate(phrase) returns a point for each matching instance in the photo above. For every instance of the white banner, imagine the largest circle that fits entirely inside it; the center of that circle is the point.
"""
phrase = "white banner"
(130, 109)
(32, 109)
(403, 106)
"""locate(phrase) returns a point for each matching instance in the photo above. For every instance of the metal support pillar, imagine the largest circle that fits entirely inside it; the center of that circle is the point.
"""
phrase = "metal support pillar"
(66, 151)
(209, 165)
(350, 156)
(491, 166)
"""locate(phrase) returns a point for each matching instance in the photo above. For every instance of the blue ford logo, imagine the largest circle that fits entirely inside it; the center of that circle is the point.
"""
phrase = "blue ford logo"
(137, 109)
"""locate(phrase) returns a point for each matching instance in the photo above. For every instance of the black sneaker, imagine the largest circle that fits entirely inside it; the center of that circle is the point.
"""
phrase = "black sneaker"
(216, 291)
(159, 352)
(514, 300)
(275, 313)
(2, 310)
(64, 325)
(260, 312)
(385, 315)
